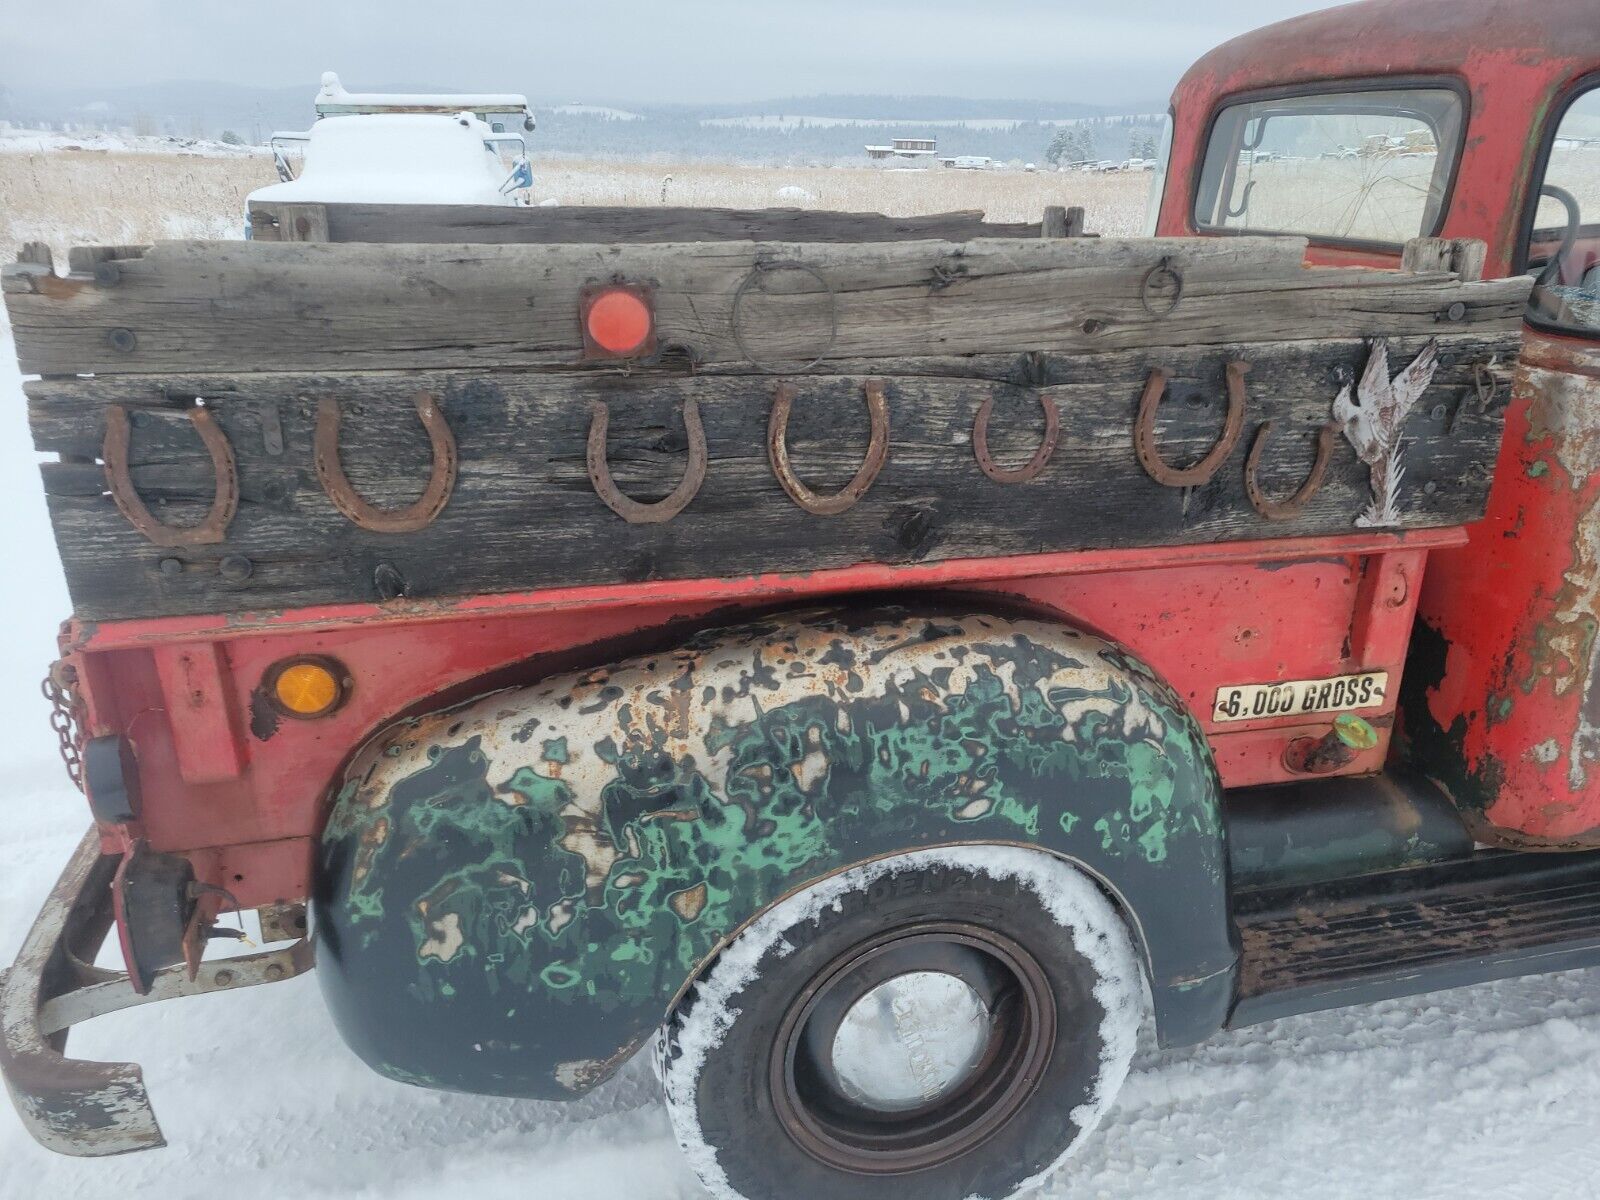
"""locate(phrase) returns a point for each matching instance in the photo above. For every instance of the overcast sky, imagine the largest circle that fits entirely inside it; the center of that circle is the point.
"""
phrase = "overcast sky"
(644, 50)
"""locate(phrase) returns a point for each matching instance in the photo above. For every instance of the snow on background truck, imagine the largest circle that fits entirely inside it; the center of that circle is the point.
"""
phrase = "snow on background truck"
(802, 763)
(405, 149)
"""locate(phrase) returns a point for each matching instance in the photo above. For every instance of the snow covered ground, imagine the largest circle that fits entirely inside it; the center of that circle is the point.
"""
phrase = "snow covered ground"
(38, 141)
(1487, 1091)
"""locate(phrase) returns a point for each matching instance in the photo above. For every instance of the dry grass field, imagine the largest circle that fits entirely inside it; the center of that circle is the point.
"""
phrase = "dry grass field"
(67, 198)
(1114, 203)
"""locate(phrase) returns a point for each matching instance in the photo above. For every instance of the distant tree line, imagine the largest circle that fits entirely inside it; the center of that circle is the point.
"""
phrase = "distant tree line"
(1083, 141)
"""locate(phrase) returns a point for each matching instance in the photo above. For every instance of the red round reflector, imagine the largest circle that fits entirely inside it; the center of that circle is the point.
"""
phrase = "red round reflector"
(619, 322)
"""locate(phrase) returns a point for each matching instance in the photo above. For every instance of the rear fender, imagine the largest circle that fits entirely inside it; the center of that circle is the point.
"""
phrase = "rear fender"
(514, 892)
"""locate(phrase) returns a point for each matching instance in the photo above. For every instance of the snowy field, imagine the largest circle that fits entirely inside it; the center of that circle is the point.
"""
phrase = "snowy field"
(1487, 1091)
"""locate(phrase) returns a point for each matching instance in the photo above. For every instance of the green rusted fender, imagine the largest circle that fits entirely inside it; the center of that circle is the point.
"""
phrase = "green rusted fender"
(514, 892)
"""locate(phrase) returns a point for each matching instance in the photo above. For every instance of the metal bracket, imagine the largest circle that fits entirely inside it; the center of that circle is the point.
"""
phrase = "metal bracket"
(1144, 432)
(75, 1106)
(419, 515)
(632, 511)
(846, 497)
(1284, 510)
(224, 502)
(1041, 456)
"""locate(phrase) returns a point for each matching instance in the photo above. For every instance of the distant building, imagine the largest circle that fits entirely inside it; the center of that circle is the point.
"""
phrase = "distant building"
(968, 162)
(906, 148)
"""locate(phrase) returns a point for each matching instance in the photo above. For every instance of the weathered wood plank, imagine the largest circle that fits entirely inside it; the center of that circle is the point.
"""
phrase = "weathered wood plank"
(524, 514)
(497, 224)
(1462, 257)
(230, 306)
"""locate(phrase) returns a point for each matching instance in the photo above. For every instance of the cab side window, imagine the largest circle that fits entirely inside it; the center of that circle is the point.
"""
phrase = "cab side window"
(1366, 166)
(1563, 247)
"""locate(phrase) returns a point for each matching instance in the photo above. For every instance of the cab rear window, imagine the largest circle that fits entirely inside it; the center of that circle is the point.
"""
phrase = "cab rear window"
(1367, 167)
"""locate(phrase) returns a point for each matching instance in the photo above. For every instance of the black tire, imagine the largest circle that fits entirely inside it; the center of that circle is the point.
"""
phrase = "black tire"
(767, 1105)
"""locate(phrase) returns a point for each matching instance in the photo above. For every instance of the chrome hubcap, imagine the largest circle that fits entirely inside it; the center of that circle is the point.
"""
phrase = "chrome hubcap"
(912, 1047)
(911, 1041)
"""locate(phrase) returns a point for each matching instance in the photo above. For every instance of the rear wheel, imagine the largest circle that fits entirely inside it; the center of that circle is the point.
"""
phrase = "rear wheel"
(938, 1026)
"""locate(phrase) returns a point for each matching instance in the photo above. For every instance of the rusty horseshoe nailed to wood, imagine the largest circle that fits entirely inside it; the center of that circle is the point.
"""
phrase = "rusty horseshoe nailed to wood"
(846, 497)
(1284, 510)
(415, 516)
(224, 503)
(1144, 432)
(632, 511)
(1041, 456)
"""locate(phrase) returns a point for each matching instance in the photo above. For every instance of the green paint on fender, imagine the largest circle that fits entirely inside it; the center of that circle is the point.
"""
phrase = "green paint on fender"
(584, 878)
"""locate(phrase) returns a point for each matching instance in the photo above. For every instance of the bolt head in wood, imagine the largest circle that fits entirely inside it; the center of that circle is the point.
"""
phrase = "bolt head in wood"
(236, 568)
(390, 584)
(123, 341)
(107, 274)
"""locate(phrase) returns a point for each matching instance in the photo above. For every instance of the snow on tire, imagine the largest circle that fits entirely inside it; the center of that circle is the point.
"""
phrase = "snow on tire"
(944, 1025)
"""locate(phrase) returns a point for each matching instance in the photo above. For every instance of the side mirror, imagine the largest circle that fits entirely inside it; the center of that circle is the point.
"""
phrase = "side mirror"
(521, 177)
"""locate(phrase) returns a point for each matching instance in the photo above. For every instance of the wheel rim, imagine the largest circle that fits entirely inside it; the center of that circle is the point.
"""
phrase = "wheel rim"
(912, 1048)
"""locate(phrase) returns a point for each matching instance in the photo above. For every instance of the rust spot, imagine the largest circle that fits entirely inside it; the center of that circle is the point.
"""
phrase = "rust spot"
(58, 287)
(264, 717)
(689, 904)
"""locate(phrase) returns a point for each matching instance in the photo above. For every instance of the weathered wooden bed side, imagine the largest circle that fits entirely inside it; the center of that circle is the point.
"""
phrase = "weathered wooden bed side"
(603, 224)
(232, 306)
(524, 513)
(276, 425)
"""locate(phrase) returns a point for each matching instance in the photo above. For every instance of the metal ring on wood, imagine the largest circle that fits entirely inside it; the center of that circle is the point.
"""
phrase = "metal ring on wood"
(1284, 510)
(735, 321)
(846, 497)
(632, 511)
(1161, 277)
(1144, 432)
(224, 502)
(415, 516)
(1041, 456)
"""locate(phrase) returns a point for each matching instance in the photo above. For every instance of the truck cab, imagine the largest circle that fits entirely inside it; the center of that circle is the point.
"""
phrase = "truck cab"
(1405, 120)
(869, 659)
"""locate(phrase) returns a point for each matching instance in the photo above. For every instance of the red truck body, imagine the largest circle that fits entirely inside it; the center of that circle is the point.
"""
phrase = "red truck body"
(1335, 858)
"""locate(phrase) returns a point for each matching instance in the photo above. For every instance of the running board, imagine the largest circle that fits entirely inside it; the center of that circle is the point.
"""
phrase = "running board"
(1400, 933)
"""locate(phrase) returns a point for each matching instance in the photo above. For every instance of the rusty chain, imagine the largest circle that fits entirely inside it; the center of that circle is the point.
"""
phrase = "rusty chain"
(60, 688)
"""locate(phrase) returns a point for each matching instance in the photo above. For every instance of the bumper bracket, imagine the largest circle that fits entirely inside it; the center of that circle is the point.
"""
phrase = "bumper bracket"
(75, 1106)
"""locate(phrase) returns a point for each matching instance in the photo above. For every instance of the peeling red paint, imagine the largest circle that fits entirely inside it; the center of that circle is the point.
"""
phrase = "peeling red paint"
(1518, 605)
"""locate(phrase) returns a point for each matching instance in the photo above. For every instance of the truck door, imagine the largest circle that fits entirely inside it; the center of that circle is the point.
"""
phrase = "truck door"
(1503, 702)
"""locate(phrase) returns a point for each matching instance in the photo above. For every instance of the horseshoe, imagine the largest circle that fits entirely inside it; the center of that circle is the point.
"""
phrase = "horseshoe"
(1144, 432)
(419, 515)
(1041, 456)
(632, 511)
(224, 503)
(1283, 510)
(846, 497)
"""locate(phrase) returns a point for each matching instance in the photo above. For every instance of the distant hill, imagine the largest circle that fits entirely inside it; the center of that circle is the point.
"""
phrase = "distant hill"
(793, 129)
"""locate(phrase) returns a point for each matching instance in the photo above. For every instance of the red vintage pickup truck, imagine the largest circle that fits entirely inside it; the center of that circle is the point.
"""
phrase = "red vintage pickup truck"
(875, 661)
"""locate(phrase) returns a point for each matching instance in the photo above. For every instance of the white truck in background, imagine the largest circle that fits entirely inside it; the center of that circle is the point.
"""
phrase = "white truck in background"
(379, 148)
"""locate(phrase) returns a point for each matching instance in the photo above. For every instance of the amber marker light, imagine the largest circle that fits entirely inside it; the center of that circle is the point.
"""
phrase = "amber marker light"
(617, 321)
(306, 687)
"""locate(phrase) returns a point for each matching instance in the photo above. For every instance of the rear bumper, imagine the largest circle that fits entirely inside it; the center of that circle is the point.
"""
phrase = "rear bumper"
(74, 1106)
